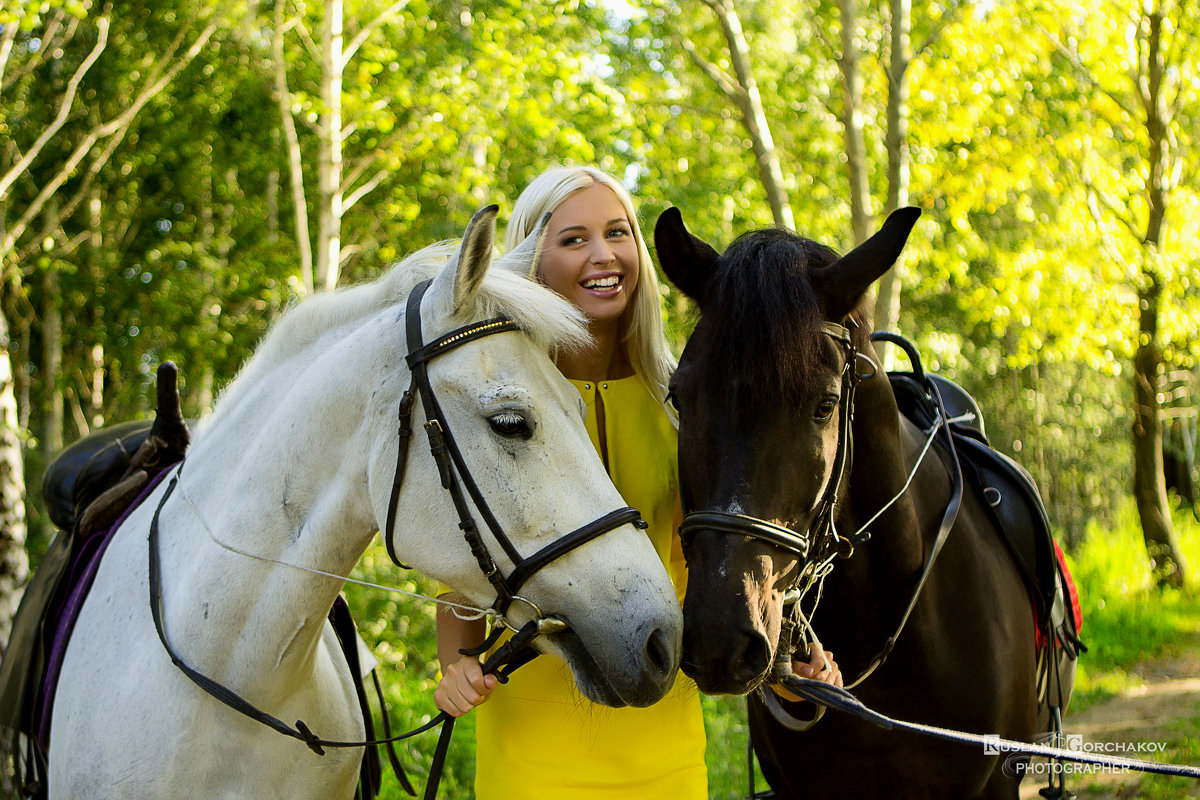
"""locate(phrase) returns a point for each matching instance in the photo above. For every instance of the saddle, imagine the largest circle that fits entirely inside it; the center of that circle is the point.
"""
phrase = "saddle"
(1012, 499)
(88, 489)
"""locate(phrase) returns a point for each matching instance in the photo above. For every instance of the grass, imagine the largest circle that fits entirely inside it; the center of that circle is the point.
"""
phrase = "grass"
(1126, 621)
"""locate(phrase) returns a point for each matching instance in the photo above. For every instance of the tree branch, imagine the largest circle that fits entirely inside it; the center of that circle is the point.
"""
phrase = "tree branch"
(349, 200)
(367, 29)
(157, 79)
(1115, 209)
(1084, 73)
(935, 35)
(64, 109)
(725, 82)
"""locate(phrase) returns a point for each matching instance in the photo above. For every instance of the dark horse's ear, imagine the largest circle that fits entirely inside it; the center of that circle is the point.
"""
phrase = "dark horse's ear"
(843, 283)
(687, 261)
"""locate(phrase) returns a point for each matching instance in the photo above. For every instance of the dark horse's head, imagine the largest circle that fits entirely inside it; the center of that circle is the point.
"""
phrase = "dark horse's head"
(759, 389)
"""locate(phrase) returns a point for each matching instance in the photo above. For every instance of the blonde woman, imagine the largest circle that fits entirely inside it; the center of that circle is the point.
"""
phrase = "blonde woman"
(537, 737)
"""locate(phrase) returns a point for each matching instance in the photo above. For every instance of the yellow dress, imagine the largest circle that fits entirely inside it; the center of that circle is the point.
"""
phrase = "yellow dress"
(536, 736)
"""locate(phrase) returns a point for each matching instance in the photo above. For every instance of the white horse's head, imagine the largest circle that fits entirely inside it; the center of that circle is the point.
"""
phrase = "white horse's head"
(307, 434)
(519, 427)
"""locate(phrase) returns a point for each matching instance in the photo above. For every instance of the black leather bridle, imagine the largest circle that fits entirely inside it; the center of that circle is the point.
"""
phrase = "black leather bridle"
(821, 539)
(822, 543)
(454, 476)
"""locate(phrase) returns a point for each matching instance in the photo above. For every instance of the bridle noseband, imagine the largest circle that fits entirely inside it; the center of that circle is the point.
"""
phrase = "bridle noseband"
(455, 476)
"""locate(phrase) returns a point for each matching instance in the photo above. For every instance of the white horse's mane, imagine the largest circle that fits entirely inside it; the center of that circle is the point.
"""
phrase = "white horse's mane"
(546, 317)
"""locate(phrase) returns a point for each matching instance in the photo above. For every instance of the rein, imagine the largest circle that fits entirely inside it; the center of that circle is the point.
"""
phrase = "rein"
(454, 475)
(828, 696)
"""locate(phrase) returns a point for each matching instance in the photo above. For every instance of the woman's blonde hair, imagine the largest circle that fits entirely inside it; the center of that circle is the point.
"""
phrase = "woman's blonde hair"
(644, 341)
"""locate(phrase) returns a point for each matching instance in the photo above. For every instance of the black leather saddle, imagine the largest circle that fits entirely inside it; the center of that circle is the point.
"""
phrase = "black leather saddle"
(1005, 487)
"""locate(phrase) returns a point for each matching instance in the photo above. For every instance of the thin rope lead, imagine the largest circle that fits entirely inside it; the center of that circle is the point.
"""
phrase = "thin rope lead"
(460, 610)
(937, 424)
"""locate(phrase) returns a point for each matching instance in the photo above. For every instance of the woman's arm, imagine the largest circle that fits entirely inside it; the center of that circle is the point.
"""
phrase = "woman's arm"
(463, 685)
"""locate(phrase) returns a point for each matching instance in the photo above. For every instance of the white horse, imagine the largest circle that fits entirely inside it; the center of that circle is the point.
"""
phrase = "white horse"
(296, 464)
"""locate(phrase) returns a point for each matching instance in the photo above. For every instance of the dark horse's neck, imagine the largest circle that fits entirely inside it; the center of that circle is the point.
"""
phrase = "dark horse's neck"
(866, 594)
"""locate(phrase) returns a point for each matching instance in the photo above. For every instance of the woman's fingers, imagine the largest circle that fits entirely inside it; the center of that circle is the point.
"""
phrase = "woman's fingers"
(463, 687)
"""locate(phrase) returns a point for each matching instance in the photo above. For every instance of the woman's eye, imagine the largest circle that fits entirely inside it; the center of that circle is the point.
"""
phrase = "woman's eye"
(510, 425)
(617, 233)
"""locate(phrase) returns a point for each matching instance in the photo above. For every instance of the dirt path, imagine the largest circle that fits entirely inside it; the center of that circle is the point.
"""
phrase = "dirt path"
(1146, 715)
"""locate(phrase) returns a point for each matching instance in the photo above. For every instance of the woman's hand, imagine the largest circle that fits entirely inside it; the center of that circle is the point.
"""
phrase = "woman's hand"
(819, 667)
(463, 687)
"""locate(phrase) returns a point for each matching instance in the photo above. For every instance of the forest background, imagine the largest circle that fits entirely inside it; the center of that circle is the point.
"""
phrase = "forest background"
(174, 175)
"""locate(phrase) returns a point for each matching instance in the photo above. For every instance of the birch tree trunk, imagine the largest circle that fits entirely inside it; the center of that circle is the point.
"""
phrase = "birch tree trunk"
(294, 157)
(329, 198)
(95, 256)
(743, 90)
(852, 124)
(52, 344)
(887, 300)
(14, 562)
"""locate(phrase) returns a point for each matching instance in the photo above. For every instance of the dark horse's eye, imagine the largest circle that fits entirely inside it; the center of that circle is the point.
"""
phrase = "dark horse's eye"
(510, 425)
(825, 410)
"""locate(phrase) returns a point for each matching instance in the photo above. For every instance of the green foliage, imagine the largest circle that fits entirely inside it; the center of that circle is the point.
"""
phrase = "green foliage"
(1027, 144)
(1126, 619)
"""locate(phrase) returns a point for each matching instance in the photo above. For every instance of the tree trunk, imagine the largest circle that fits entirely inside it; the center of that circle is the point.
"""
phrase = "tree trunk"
(14, 562)
(329, 229)
(294, 156)
(52, 343)
(753, 116)
(887, 301)
(852, 124)
(95, 256)
(1149, 476)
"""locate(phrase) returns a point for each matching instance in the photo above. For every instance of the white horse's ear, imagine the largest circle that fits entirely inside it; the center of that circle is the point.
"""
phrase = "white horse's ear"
(526, 257)
(466, 270)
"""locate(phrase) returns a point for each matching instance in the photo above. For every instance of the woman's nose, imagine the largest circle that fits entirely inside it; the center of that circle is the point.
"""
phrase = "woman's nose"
(601, 253)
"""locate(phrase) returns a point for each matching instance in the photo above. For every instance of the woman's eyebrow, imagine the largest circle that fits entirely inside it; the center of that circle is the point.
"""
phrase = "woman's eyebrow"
(584, 227)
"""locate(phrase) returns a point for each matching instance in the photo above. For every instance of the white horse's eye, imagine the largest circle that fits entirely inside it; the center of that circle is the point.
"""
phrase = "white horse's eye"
(510, 425)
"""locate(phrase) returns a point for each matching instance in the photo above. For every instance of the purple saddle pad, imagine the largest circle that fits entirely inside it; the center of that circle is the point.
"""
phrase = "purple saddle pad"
(61, 614)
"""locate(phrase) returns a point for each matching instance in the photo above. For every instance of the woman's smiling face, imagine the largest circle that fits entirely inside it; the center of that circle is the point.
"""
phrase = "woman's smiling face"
(590, 256)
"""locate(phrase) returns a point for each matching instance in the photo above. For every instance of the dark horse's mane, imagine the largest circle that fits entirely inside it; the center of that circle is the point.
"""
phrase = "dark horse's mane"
(761, 301)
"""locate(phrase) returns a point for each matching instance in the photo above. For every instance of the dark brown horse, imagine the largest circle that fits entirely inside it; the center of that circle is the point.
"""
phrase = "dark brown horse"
(767, 478)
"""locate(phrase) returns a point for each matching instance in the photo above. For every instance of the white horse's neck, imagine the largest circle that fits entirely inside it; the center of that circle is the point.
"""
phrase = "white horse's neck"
(283, 476)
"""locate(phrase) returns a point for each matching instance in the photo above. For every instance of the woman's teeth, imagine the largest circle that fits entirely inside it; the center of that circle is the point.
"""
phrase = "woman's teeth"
(602, 283)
